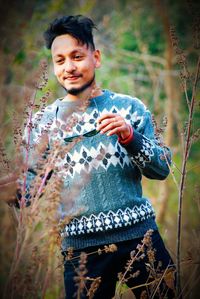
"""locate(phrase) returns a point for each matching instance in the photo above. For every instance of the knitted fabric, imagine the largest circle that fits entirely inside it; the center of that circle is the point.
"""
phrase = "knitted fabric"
(109, 205)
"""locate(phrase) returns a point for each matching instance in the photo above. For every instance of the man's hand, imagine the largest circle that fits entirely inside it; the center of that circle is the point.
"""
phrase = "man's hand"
(8, 188)
(111, 124)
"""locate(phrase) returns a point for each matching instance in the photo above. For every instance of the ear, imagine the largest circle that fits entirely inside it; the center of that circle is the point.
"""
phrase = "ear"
(97, 59)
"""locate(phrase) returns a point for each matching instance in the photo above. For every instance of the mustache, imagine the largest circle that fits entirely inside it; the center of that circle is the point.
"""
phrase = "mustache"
(72, 75)
(76, 91)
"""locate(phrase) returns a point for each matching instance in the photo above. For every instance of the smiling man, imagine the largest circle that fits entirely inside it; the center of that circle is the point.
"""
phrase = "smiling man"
(118, 146)
(112, 208)
(74, 65)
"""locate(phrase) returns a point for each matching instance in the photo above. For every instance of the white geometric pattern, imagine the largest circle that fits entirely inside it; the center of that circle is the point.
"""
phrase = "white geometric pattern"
(108, 221)
(144, 154)
(87, 159)
(86, 122)
(93, 158)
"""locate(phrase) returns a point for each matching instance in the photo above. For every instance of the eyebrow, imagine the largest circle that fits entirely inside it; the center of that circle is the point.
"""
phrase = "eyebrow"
(79, 50)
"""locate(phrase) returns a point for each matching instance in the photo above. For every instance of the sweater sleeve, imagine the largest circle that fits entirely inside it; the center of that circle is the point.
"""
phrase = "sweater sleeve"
(144, 149)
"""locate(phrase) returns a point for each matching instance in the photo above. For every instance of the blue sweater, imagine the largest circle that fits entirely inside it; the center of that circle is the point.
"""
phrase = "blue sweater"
(109, 205)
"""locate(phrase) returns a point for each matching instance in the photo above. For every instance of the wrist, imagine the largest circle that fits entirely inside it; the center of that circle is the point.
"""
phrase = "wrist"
(126, 140)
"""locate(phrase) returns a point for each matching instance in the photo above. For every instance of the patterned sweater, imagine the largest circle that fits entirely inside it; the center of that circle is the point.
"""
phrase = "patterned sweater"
(108, 205)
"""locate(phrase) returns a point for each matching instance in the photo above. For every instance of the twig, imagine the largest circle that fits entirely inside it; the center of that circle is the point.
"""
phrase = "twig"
(171, 171)
(191, 168)
(29, 128)
(160, 280)
(133, 259)
(191, 278)
(183, 176)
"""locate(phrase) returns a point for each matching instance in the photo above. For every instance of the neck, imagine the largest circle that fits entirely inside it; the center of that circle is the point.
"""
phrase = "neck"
(91, 92)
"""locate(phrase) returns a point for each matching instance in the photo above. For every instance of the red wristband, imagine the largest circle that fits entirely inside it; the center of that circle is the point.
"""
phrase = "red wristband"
(127, 139)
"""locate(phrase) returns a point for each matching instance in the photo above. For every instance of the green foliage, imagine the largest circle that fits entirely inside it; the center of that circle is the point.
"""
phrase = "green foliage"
(20, 57)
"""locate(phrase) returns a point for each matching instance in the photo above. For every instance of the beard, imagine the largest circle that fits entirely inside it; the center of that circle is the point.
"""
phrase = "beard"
(76, 91)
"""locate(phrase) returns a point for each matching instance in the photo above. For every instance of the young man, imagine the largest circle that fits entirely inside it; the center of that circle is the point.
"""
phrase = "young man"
(116, 148)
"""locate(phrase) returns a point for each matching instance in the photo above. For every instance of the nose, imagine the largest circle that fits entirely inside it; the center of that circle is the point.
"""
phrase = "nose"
(69, 66)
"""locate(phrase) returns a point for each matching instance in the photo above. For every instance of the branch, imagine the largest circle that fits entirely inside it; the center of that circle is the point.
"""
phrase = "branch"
(184, 171)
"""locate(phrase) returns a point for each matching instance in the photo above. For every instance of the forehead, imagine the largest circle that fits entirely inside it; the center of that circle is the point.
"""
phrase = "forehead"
(66, 44)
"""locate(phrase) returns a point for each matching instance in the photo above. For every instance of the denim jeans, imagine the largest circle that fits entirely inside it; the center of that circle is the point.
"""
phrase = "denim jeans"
(108, 265)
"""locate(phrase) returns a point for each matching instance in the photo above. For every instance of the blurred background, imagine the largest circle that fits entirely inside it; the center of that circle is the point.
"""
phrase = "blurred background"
(137, 59)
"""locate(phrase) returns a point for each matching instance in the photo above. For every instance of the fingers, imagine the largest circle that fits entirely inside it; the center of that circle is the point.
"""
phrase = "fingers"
(107, 123)
(107, 119)
(117, 131)
(111, 124)
(106, 116)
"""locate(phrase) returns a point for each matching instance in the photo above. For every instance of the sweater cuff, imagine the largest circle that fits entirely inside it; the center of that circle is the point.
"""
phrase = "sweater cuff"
(128, 139)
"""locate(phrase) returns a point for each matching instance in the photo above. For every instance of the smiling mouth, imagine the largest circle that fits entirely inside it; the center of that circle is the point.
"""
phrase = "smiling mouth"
(72, 78)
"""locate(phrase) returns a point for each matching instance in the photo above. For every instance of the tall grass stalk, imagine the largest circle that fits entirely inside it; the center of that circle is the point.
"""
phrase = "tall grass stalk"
(188, 139)
(187, 147)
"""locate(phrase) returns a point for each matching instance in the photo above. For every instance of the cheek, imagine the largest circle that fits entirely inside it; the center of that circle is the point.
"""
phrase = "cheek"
(57, 71)
(88, 68)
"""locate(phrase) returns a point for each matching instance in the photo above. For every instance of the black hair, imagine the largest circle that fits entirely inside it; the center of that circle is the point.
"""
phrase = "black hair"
(78, 26)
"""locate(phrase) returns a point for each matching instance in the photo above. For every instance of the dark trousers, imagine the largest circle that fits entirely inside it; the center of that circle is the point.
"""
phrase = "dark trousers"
(108, 265)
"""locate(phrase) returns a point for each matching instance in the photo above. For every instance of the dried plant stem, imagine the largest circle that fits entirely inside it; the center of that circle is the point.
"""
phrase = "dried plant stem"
(47, 171)
(183, 176)
(186, 95)
(21, 245)
(150, 283)
(15, 262)
(45, 285)
(22, 202)
(171, 171)
(194, 167)
(160, 280)
(187, 283)
(29, 126)
(90, 253)
(145, 284)
(133, 259)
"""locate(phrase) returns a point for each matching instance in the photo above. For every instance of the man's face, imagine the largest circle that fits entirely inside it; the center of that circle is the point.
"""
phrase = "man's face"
(74, 63)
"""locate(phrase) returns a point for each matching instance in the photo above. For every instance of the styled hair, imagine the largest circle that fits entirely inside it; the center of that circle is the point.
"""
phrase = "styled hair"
(78, 26)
